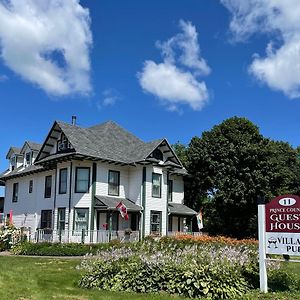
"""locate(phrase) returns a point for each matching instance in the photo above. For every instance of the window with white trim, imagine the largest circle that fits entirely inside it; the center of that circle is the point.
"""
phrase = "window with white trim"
(61, 218)
(48, 186)
(30, 187)
(63, 173)
(81, 218)
(15, 192)
(156, 185)
(46, 219)
(82, 182)
(170, 190)
(113, 183)
(155, 222)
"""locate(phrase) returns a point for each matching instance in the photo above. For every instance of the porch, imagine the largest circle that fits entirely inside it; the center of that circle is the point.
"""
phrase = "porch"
(84, 237)
(180, 219)
(108, 218)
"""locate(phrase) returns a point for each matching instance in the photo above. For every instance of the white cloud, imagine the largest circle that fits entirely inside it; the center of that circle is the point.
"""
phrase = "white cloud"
(110, 97)
(175, 80)
(47, 43)
(279, 68)
(168, 82)
(187, 43)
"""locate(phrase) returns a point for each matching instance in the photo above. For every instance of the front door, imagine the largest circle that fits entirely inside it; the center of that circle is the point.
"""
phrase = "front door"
(102, 222)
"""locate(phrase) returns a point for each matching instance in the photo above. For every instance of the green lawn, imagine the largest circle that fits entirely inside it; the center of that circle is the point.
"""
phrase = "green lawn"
(51, 278)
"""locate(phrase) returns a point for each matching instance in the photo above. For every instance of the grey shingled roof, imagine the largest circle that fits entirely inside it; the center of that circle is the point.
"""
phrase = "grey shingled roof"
(180, 209)
(34, 146)
(108, 141)
(55, 156)
(110, 203)
(16, 150)
(21, 171)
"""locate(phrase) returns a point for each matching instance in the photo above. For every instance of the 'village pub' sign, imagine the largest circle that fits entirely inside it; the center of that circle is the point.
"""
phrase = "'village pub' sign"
(283, 225)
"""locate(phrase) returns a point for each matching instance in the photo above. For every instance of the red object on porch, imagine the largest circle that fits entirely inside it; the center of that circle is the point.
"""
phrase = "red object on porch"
(123, 210)
(10, 216)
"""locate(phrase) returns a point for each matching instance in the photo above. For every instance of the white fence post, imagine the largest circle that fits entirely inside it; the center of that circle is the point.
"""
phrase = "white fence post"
(263, 279)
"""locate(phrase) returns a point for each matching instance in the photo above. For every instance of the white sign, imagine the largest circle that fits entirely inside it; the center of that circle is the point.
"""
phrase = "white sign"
(278, 231)
(283, 243)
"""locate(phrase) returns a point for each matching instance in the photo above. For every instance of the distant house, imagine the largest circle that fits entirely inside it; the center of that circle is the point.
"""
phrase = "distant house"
(77, 177)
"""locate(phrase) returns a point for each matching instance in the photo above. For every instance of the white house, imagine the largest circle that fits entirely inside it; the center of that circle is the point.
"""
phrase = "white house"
(77, 177)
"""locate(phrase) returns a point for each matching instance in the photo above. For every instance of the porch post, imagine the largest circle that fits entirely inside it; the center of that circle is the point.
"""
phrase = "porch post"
(94, 178)
(143, 219)
(109, 226)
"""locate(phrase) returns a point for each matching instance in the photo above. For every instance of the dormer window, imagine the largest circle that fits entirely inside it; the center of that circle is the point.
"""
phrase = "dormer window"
(158, 154)
(28, 158)
(13, 162)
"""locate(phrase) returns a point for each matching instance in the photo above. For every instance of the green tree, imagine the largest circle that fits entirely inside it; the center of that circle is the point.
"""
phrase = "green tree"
(230, 166)
(181, 151)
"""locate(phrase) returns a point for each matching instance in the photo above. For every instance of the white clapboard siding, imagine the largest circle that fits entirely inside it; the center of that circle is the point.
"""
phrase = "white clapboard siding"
(27, 211)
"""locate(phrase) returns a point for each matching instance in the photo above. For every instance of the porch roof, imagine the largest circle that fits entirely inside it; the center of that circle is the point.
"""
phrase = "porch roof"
(110, 203)
(180, 209)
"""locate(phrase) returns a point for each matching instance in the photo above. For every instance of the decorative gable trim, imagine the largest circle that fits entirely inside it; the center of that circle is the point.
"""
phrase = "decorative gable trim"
(51, 141)
(172, 157)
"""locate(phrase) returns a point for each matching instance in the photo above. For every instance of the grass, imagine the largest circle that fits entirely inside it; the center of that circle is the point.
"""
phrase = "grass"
(53, 278)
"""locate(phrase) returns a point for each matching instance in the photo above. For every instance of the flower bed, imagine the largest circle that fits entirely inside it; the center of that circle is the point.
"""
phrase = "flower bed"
(222, 240)
(9, 236)
(176, 266)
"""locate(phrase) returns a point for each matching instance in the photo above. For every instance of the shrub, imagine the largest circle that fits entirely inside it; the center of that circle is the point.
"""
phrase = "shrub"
(221, 240)
(172, 266)
(9, 236)
(190, 280)
(61, 249)
(182, 266)
(280, 280)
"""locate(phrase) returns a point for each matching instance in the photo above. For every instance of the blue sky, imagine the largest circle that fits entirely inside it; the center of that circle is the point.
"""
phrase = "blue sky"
(229, 59)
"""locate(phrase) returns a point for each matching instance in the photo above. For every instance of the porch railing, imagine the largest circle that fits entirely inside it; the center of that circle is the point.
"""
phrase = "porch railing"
(175, 233)
(84, 236)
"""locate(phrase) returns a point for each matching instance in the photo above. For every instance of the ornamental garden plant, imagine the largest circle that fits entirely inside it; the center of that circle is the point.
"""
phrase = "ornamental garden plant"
(184, 267)
(10, 235)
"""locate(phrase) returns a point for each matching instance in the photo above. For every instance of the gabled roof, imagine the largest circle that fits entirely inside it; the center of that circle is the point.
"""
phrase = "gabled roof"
(14, 150)
(32, 145)
(107, 141)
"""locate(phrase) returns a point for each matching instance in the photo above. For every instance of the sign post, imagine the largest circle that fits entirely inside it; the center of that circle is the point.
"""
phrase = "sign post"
(278, 231)
(263, 279)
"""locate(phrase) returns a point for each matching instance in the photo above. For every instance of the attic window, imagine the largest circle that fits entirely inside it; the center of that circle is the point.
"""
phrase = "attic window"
(63, 144)
(157, 154)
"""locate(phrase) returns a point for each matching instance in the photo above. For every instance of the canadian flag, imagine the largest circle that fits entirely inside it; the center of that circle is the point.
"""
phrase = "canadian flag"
(123, 210)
